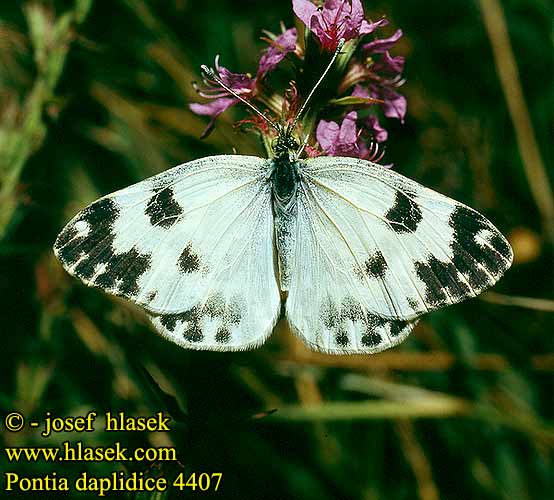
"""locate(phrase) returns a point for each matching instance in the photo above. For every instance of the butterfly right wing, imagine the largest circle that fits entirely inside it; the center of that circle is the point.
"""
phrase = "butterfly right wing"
(192, 245)
(372, 250)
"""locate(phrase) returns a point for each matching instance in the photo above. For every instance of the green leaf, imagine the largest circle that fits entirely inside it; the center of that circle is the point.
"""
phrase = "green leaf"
(353, 100)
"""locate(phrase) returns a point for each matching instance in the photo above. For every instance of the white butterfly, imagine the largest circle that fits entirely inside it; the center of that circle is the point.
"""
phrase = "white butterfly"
(214, 248)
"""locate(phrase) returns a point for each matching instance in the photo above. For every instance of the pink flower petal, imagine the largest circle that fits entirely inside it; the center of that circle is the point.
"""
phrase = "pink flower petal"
(392, 64)
(335, 20)
(304, 10)
(339, 140)
(378, 132)
(383, 44)
(213, 108)
(357, 11)
(327, 134)
(367, 28)
(352, 20)
(220, 99)
(360, 91)
(274, 54)
(348, 132)
(395, 104)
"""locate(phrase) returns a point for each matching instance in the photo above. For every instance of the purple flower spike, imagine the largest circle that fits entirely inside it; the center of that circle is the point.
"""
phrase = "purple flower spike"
(369, 72)
(335, 20)
(284, 44)
(382, 45)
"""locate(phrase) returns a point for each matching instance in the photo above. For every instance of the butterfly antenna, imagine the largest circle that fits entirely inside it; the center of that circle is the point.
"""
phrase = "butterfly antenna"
(210, 73)
(318, 83)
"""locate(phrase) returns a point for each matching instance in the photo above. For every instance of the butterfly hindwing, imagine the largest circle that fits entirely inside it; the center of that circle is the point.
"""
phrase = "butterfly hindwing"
(373, 250)
(192, 245)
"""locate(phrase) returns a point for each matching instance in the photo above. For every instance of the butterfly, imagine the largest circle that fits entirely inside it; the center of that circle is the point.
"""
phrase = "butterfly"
(215, 249)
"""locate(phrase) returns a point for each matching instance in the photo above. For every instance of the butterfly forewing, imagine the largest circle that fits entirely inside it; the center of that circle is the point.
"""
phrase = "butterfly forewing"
(373, 250)
(193, 245)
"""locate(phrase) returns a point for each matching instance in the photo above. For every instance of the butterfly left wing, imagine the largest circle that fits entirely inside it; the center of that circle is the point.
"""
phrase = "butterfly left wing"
(373, 250)
(192, 245)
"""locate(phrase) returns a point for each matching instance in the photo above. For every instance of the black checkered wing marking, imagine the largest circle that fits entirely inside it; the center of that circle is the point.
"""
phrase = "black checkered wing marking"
(380, 250)
(192, 245)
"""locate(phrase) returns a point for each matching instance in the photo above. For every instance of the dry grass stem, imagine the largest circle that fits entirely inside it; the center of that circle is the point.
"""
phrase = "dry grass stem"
(506, 66)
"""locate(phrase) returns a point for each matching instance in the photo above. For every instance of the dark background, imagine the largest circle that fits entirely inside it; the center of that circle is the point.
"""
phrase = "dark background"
(462, 409)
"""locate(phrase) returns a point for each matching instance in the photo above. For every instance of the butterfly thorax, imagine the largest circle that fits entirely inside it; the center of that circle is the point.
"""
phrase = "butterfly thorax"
(285, 180)
(284, 174)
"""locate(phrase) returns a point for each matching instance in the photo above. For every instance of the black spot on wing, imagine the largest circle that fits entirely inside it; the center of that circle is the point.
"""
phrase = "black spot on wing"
(169, 321)
(68, 234)
(341, 338)
(189, 261)
(124, 270)
(233, 313)
(223, 335)
(441, 281)
(87, 265)
(373, 323)
(479, 255)
(351, 310)
(371, 339)
(472, 256)
(375, 265)
(193, 333)
(215, 308)
(404, 215)
(397, 326)
(229, 312)
(121, 270)
(70, 247)
(162, 209)
(499, 243)
(467, 264)
(336, 317)
(413, 303)
(464, 219)
(191, 319)
(330, 314)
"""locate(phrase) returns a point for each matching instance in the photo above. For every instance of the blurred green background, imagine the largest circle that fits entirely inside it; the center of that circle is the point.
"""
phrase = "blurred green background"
(93, 97)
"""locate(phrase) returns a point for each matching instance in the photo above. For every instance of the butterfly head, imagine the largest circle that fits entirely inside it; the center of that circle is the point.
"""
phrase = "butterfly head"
(285, 145)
